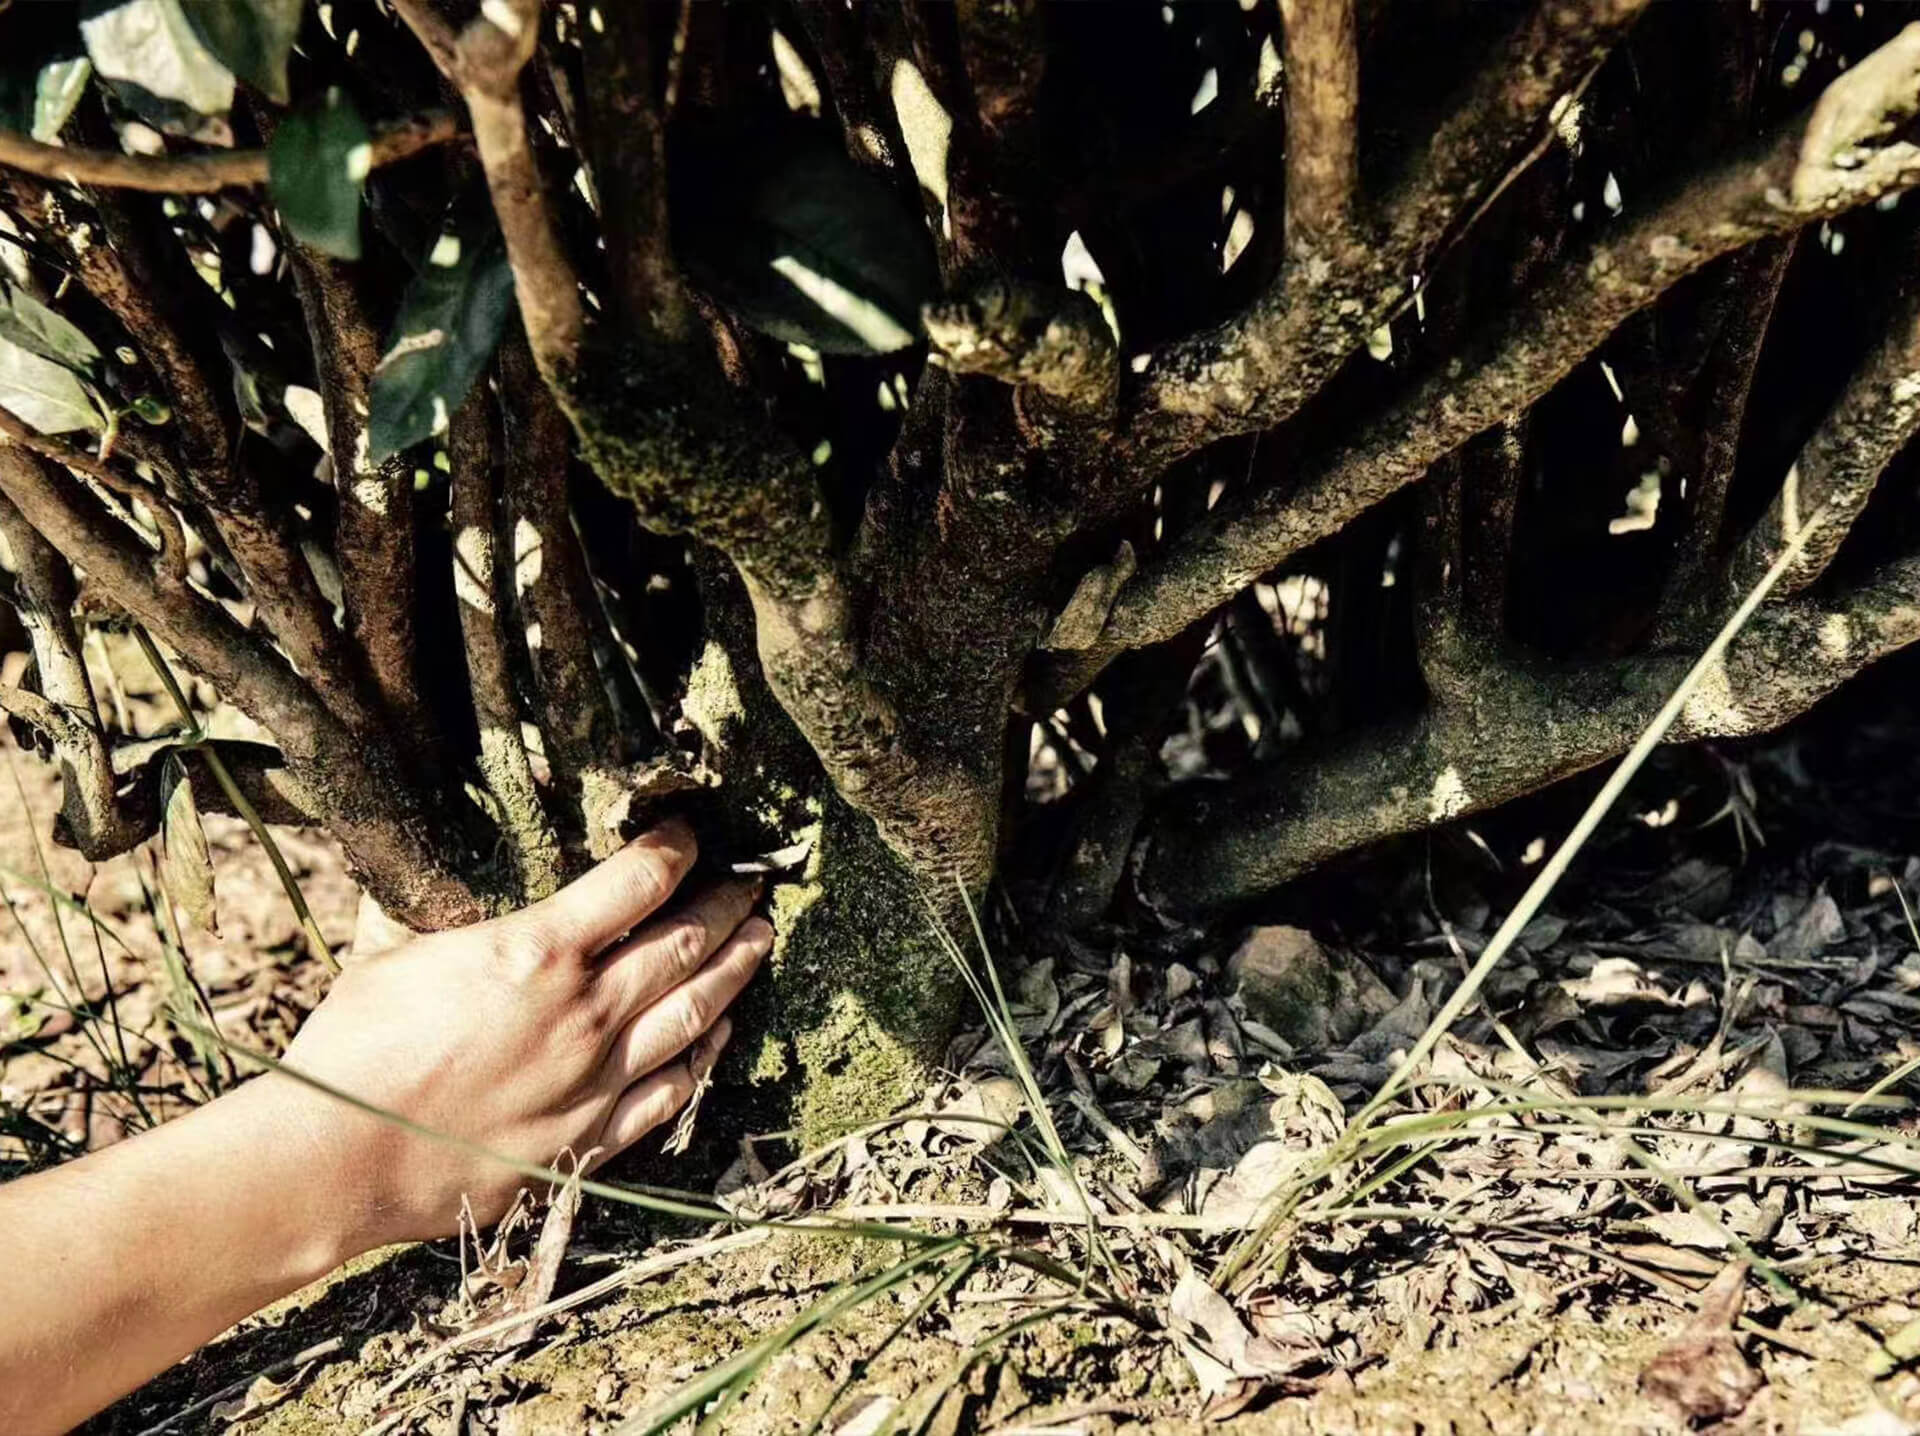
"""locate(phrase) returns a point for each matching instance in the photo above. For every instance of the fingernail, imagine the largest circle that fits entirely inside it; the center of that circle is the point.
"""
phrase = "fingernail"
(760, 936)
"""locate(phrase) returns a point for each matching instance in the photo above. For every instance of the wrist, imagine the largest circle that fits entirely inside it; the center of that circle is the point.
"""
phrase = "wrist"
(308, 1174)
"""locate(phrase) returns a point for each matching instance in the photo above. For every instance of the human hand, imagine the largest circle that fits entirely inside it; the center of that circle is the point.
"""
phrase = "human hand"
(554, 1028)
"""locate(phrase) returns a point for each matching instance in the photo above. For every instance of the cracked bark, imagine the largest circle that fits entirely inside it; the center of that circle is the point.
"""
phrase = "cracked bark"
(480, 586)
(353, 783)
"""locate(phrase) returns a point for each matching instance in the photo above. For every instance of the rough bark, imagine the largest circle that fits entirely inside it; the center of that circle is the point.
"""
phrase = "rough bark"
(881, 625)
(1503, 728)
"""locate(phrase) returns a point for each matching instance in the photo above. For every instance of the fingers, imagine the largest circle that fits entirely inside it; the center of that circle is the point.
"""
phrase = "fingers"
(609, 900)
(657, 1096)
(670, 949)
(684, 1013)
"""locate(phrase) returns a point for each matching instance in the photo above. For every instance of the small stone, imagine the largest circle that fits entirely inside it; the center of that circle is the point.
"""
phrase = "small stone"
(1289, 984)
(1283, 978)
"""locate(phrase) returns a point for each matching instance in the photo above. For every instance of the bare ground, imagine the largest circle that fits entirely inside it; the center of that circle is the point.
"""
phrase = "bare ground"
(1527, 1275)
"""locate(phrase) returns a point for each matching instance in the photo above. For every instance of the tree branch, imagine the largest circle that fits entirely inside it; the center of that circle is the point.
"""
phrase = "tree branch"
(375, 541)
(1323, 134)
(64, 709)
(1479, 146)
(484, 62)
(556, 599)
(1723, 386)
(357, 786)
(872, 130)
(1051, 344)
(1255, 370)
(257, 769)
(480, 587)
(141, 275)
(201, 173)
(1837, 468)
(1575, 307)
(173, 542)
(1508, 729)
(626, 138)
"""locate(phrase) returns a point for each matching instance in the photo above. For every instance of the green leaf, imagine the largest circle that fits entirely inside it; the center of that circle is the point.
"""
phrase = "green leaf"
(315, 167)
(251, 37)
(44, 71)
(56, 92)
(148, 43)
(802, 243)
(450, 322)
(30, 324)
(186, 863)
(46, 395)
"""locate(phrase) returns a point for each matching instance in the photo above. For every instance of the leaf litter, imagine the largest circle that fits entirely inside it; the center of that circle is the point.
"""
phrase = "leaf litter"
(1492, 1255)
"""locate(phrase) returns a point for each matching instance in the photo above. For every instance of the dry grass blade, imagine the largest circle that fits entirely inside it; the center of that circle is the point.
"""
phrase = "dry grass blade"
(739, 1370)
(1249, 1247)
(998, 1012)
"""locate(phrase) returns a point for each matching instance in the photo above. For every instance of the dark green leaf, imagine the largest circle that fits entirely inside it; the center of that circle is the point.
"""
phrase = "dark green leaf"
(186, 863)
(149, 45)
(449, 325)
(802, 243)
(30, 324)
(252, 38)
(315, 167)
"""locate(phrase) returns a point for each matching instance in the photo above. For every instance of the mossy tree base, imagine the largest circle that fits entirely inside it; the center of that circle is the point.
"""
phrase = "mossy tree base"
(859, 996)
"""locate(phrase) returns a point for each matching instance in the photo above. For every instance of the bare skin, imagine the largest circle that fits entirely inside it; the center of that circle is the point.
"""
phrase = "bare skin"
(579, 1024)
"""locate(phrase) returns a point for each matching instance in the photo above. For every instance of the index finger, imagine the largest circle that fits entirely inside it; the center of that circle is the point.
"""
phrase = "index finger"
(602, 904)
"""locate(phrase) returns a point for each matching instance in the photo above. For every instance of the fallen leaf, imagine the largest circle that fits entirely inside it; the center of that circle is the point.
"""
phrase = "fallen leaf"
(980, 1109)
(1702, 1373)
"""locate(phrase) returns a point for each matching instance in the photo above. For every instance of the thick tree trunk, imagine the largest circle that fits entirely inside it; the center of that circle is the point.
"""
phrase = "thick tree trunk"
(860, 996)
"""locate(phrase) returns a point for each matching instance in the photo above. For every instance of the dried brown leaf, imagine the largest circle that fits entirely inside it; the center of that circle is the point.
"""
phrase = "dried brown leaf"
(186, 863)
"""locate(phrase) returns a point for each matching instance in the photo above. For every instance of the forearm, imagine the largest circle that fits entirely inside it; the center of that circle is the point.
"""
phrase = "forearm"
(119, 1264)
(576, 1026)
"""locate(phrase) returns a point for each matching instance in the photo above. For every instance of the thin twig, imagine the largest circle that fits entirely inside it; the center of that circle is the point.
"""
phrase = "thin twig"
(201, 173)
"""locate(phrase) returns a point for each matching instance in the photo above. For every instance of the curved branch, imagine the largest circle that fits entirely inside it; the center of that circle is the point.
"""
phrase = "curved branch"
(141, 275)
(1257, 369)
(64, 709)
(1052, 344)
(1836, 470)
(202, 173)
(1477, 148)
(1508, 729)
(1576, 306)
(359, 788)
(257, 769)
(173, 542)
